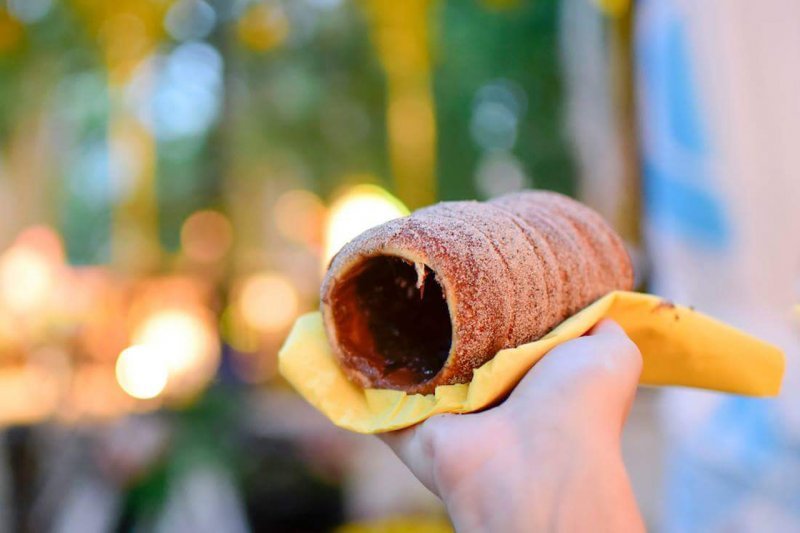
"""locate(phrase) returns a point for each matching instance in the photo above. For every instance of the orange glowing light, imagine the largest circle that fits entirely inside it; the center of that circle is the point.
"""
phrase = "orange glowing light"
(44, 240)
(182, 339)
(299, 216)
(28, 395)
(206, 236)
(268, 302)
(142, 372)
(26, 279)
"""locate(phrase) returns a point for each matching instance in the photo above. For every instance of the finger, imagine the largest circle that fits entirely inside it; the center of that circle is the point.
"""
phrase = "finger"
(415, 446)
(397, 440)
(631, 357)
(621, 354)
(592, 377)
(607, 327)
(604, 354)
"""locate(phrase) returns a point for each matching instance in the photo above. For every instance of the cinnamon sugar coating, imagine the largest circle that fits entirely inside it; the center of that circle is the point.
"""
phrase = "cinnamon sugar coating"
(505, 272)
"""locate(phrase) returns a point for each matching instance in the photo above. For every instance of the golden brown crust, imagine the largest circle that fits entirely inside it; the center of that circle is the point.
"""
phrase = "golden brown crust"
(510, 270)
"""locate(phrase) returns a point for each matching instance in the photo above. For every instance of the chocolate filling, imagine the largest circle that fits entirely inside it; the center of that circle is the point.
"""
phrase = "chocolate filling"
(392, 321)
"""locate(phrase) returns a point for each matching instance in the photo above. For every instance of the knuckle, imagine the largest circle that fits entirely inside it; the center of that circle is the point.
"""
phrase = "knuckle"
(620, 352)
(629, 355)
(433, 438)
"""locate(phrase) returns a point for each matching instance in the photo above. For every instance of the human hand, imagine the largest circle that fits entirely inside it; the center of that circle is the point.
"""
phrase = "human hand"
(549, 457)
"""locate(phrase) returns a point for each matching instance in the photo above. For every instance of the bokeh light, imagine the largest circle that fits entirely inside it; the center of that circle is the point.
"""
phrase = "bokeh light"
(175, 95)
(141, 372)
(44, 241)
(26, 279)
(268, 301)
(299, 216)
(181, 338)
(187, 343)
(206, 236)
(498, 173)
(359, 209)
(29, 11)
(125, 38)
(263, 26)
(190, 19)
(498, 108)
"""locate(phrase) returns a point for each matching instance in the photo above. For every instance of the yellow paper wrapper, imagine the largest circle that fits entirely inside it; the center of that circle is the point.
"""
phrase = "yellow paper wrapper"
(679, 347)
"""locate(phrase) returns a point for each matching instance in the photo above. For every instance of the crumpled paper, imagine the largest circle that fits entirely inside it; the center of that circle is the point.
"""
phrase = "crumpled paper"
(679, 346)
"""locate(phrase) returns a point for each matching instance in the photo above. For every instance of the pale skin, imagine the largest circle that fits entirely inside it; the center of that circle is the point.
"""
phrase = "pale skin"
(549, 457)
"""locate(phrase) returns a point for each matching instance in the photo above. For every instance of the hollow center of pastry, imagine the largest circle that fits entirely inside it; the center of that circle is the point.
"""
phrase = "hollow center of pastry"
(393, 322)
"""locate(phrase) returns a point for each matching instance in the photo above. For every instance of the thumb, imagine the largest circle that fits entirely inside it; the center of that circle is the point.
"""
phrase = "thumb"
(589, 382)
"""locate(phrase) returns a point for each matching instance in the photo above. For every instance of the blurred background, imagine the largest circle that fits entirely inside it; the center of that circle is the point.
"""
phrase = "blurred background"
(175, 174)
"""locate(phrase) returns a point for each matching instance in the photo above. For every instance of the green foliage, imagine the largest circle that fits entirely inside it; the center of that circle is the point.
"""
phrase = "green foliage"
(310, 112)
(476, 46)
